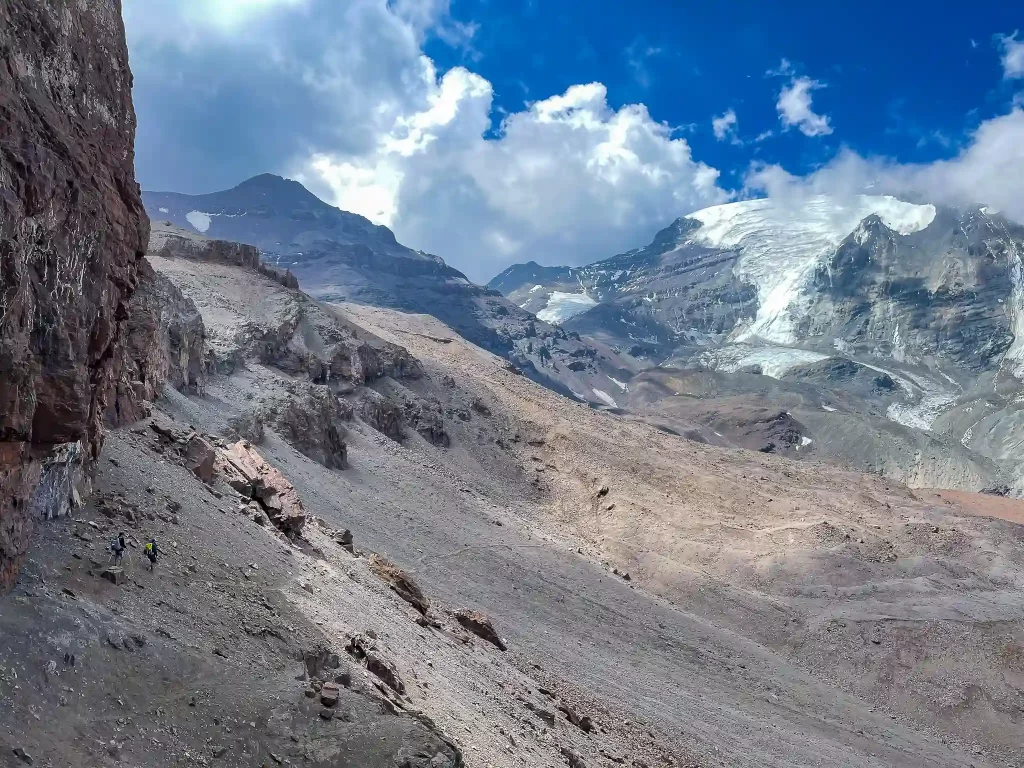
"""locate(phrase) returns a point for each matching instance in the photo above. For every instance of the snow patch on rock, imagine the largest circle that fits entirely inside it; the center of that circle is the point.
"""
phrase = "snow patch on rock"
(605, 398)
(199, 220)
(561, 306)
(774, 361)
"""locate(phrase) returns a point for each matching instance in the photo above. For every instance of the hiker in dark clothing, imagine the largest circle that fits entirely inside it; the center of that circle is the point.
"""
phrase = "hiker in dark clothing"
(118, 547)
(152, 552)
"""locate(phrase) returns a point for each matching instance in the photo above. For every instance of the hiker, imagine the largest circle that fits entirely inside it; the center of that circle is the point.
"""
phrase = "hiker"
(118, 547)
(152, 552)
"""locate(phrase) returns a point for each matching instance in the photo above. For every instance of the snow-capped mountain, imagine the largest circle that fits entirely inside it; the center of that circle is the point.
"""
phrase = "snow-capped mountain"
(909, 313)
(340, 256)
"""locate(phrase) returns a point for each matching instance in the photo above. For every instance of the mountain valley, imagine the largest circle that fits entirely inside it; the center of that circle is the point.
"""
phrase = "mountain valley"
(277, 490)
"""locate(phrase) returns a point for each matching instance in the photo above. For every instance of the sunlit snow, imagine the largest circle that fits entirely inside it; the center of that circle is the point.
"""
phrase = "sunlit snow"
(536, 288)
(561, 306)
(774, 361)
(199, 220)
(605, 397)
(619, 384)
(781, 243)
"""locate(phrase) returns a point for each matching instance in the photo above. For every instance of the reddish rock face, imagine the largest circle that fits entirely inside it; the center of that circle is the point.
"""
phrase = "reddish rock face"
(72, 232)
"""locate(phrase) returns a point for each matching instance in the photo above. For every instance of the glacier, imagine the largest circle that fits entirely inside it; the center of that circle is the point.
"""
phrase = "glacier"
(781, 243)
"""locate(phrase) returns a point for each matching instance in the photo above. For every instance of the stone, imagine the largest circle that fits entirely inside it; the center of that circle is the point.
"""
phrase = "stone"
(329, 694)
(326, 714)
(22, 755)
(481, 626)
(219, 751)
(250, 474)
(572, 758)
(114, 574)
(401, 582)
(385, 670)
(199, 458)
(583, 722)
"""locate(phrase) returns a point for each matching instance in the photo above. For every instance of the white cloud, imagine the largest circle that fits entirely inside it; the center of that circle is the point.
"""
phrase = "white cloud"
(1012, 55)
(724, 126)
(637, 54)
(568, 179)
(785, 69)
(794, 107)
(377, 130)
(989, 170)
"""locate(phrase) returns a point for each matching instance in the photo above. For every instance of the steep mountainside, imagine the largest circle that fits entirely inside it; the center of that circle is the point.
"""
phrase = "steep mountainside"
(339, 256)
(909, 312)
(72, 232)
(383, 548)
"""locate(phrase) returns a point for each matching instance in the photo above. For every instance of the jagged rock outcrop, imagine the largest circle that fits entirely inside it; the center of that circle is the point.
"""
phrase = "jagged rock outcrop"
(241, 467)
(315, 424)
(170, 242)
(164, 342)
(382, 414)
(72, 232)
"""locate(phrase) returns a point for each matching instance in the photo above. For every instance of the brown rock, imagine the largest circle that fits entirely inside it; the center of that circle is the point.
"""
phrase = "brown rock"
(385, 670)
(583, 722)
(199, 457)
(401, 582)
(72, 233)
(164, 343)
(247, 472)
(481, 626)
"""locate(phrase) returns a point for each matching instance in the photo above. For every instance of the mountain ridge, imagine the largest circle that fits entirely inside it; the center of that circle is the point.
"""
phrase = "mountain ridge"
(342, 257)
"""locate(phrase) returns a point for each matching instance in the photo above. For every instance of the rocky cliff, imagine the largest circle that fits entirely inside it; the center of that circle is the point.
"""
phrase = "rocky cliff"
(163, 343)
(72, 232)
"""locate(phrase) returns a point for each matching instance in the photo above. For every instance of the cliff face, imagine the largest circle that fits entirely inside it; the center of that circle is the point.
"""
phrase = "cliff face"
(163, 342)
(72, 232)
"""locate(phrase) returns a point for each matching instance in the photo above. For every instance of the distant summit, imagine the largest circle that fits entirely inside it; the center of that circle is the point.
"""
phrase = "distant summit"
(343, 257)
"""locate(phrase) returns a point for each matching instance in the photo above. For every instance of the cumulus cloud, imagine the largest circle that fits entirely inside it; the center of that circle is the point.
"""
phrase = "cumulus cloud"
(569, 179)
(339, 94)
(1012, 55)
(794, 107)
(989, 170)
(724, 126)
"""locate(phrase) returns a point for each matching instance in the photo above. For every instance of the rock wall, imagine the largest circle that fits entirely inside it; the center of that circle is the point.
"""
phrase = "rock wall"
(72, 232)
(164, 342)
(172, 242)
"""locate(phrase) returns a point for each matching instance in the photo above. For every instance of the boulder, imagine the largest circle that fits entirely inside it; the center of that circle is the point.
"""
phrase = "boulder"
(401, 582)
(114, 574)
(329, 694)
(583, 722)
(573, 759)
(249, 474)
(72, 234)
(385, 670)
(481, 626)
(199, 458)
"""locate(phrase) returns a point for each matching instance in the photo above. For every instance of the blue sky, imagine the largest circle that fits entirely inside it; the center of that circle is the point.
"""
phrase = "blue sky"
(905, 78)
(492, 132)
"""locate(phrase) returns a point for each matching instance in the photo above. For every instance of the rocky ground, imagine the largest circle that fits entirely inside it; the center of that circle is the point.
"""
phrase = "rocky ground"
(662, 602)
